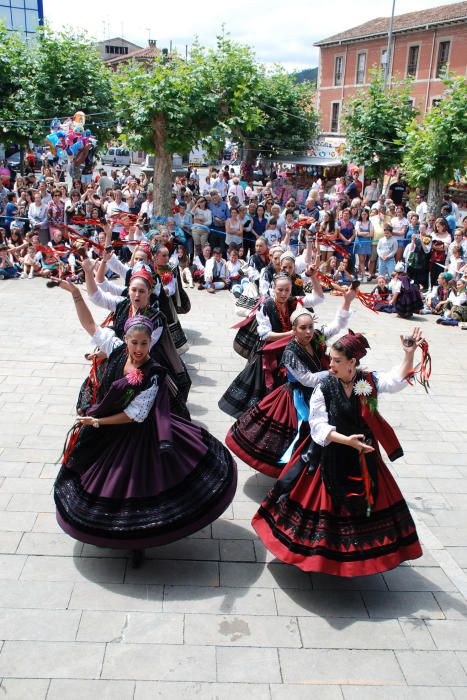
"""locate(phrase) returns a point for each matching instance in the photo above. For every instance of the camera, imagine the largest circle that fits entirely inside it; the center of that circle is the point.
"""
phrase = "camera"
(408, 341)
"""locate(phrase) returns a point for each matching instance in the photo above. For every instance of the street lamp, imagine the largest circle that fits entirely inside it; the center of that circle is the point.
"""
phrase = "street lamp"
(387, 67)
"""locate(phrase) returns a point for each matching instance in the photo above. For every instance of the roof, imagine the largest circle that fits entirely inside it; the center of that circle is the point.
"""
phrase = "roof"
(410, 21)
(148, 52)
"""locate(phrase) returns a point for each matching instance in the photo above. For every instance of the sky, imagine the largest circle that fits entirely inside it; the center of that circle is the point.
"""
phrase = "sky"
(279, 32)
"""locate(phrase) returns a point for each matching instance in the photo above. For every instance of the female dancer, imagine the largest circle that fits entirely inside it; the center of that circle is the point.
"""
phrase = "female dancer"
(262, 435)
(139, 298)
(336, 508)
(133, 475)
(273, 324)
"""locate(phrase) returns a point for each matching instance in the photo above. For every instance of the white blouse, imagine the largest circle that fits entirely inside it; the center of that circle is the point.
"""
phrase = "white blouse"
(264, 323)
(386, 382)
(138, 409)
(312, 379)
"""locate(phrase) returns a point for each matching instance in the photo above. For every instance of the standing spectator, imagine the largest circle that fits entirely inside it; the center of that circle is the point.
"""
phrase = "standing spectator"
(421, 208)
(397, 190)
(202, 220)
(259, 221)
(237, 190)
(364, 234)
(220, 214)
(38, 218)
(371, 193)
(399, 228)
(55, 212)
(234, 229)
(449, 218)
(386, 249)
(11, 210)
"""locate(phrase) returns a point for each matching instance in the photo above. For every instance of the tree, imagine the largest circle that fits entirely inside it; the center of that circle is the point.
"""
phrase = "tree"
(374, 121)
(217, 93)
(437, 145)
(167, 108)
(57, 75)
(71, 76)
(267, 111)
(17, 64)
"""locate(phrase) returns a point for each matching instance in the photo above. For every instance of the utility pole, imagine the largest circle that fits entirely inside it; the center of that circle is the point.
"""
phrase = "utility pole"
(387, 68)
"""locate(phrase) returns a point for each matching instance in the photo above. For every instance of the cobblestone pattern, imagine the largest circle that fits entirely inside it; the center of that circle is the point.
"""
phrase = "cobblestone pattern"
(214, 616)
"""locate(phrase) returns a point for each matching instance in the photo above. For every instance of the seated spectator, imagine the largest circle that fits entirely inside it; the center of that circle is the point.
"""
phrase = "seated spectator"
(344, 277)
(9, 269)
(215, 272)
(199, 265)
(382, 295)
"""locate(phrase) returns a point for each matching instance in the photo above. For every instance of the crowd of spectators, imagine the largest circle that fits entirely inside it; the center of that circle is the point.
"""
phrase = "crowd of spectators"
(219, 227)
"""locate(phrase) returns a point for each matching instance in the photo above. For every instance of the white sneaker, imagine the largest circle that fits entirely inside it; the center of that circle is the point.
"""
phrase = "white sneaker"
(31, 276)
(23, 275)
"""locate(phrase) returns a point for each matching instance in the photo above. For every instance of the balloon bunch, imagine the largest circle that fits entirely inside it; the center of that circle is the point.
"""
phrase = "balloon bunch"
(71, 139)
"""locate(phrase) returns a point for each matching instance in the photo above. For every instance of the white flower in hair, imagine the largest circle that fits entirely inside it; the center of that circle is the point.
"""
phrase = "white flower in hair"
(362, 388)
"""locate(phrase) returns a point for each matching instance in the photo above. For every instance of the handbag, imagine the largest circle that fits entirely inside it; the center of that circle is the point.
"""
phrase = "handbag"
(181, 299)
(247, 300)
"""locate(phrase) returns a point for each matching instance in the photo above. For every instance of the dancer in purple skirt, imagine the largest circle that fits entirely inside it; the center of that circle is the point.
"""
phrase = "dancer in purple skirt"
(134, 475)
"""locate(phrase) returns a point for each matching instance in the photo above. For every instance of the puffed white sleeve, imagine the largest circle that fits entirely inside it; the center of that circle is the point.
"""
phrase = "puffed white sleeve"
(139, 408)
(264, 324)
(104, 299)
(106, 340)
(340, 321)
(312, 299)
(264, 285)
(390, 382)
(155, 335)
(319, 425)
(110, 287)
(117, 266)
(305, 377)
(171, 286)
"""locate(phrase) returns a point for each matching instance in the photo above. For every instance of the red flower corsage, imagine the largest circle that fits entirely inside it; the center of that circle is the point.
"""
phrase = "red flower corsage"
(166, 278)
(135, 377)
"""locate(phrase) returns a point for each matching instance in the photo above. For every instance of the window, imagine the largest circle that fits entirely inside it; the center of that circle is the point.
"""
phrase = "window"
(443, 58)
(361, 66)
(335, 108)
(383, 61)
(412, 63)
(436, 101)
(338, 70)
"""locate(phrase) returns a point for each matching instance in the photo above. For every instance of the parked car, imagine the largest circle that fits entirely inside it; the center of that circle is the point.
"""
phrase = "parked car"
(116, 156)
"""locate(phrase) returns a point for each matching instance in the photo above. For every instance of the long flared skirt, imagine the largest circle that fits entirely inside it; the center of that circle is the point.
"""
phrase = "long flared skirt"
(176, 331)
(117, 489)
(304, 528)
(262, 435)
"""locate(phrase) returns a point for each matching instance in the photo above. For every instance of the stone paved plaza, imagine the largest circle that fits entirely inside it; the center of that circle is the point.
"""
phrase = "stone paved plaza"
(214, 616)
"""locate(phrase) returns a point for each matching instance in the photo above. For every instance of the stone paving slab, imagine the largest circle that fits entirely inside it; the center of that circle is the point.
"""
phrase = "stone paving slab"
(215, 616)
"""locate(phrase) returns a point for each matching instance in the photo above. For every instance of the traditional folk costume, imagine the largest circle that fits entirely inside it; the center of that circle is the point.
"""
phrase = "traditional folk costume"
(409, 300)
(178, 303)
(144, 483)
(261, 374)
(162, 352)
(266, 432)
(334, 510)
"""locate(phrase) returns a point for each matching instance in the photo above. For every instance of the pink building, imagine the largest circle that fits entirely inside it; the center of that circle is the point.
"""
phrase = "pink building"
(424, 45)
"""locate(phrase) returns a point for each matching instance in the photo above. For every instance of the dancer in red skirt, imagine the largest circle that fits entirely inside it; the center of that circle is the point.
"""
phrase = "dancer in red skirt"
(336, 508)
(264, 433)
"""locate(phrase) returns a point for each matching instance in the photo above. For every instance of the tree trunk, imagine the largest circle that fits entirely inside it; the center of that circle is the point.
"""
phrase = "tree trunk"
(435, 195)
(162, 170)
(21, 159)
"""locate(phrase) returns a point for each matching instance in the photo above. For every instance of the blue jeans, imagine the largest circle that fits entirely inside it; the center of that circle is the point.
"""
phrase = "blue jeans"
(386, 267)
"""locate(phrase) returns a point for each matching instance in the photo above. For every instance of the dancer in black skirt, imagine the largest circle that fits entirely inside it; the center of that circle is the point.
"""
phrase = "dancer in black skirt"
(273, 331)
(142, 295)
(262, 435)
(336, 507)
(134, 475)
